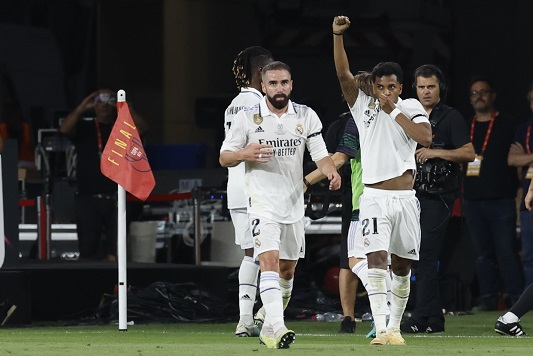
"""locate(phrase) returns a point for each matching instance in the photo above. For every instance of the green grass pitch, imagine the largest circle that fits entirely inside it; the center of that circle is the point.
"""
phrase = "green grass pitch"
(465, 335)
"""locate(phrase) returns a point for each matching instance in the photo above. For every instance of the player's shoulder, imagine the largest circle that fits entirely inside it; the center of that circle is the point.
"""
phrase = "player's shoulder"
(247, 110)
(411, 104)
(302, 110)
(298, 106)
(413, 109)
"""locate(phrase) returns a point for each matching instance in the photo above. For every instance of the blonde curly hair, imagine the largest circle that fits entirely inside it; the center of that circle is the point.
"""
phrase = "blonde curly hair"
(364, 82)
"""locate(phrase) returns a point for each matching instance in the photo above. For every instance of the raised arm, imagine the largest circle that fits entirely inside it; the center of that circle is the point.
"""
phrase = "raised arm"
(69, 123)
(347, 81)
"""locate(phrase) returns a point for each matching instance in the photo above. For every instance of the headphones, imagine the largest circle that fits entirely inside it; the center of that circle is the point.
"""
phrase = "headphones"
(426, 71)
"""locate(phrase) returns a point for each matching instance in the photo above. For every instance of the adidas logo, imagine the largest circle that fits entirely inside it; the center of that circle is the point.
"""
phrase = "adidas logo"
(412, 252)
(259, 129)
(246, 297)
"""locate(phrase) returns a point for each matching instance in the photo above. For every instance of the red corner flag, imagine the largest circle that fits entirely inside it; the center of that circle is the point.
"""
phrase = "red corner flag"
(124, 160)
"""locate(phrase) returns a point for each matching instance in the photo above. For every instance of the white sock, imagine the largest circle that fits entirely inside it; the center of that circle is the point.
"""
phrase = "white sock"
(388, 281)
(377, 294)
(361, 270)
(247, 289)
(286, 290)
(510, 318)
(272, 300)
(401, 287)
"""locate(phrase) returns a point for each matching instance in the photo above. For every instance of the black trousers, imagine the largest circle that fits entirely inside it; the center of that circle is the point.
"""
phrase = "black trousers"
(96, 216)
(435, 212)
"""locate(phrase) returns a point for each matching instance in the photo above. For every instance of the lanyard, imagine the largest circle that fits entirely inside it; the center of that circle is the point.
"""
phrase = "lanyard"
(487, 135)
(98, 136)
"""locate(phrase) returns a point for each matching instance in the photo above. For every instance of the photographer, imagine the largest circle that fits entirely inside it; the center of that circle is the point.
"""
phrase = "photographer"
(88, 127)
(437, 184)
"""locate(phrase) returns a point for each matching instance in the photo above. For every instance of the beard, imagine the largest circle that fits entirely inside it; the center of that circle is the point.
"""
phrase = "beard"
(277, 102)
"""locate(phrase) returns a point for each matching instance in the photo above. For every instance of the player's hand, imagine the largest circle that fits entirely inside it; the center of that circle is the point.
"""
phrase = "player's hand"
(387, 105)
(256, 152)
(334, 180)
(340, 24)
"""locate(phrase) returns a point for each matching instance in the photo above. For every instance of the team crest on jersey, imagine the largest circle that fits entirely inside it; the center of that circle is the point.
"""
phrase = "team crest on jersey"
(299, 129)
(258, 119)
(372, 105)
(280, 130)
(366, 242)
(257, 242)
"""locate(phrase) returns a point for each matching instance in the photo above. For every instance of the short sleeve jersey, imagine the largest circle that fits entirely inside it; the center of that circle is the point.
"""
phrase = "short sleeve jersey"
(274, 189)
(247, 97)
(386, 149)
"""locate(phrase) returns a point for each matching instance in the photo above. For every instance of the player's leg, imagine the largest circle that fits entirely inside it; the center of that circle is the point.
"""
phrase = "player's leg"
(248, 272)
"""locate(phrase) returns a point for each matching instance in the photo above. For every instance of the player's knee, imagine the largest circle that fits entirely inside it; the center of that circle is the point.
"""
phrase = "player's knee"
(400, 266)
(378, 259)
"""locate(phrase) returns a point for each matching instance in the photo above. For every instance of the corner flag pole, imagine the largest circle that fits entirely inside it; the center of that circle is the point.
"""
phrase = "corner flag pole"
(121, 249)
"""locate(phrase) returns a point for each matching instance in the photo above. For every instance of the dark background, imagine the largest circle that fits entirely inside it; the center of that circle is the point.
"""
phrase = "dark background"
(174, 57)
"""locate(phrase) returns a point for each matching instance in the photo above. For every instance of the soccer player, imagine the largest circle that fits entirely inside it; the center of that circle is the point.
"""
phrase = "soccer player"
(270, 138)
(247, 72)
(389, 130)
(342, 139)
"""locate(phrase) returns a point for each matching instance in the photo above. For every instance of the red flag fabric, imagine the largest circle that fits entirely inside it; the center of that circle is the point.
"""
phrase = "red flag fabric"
(124, 160)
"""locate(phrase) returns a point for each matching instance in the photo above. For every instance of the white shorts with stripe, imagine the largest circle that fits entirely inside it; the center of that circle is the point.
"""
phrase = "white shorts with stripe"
(243, 235)
(268, 235)
(390, 221)
(355, 241)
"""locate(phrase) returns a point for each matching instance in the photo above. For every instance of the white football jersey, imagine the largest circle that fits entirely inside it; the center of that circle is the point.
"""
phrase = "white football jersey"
(386, 149)
(275, 188)
(247, 97)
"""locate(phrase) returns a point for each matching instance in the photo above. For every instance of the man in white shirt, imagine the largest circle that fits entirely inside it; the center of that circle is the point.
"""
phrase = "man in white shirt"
(271, 138)
(247, 72)
(389, 130)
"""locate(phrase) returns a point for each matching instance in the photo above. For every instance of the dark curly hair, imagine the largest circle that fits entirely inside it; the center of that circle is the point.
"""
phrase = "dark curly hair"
(247, 60)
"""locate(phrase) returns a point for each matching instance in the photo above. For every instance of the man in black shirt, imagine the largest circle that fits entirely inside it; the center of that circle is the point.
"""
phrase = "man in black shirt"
(88, 127)
(490, 188)
(437, 185)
